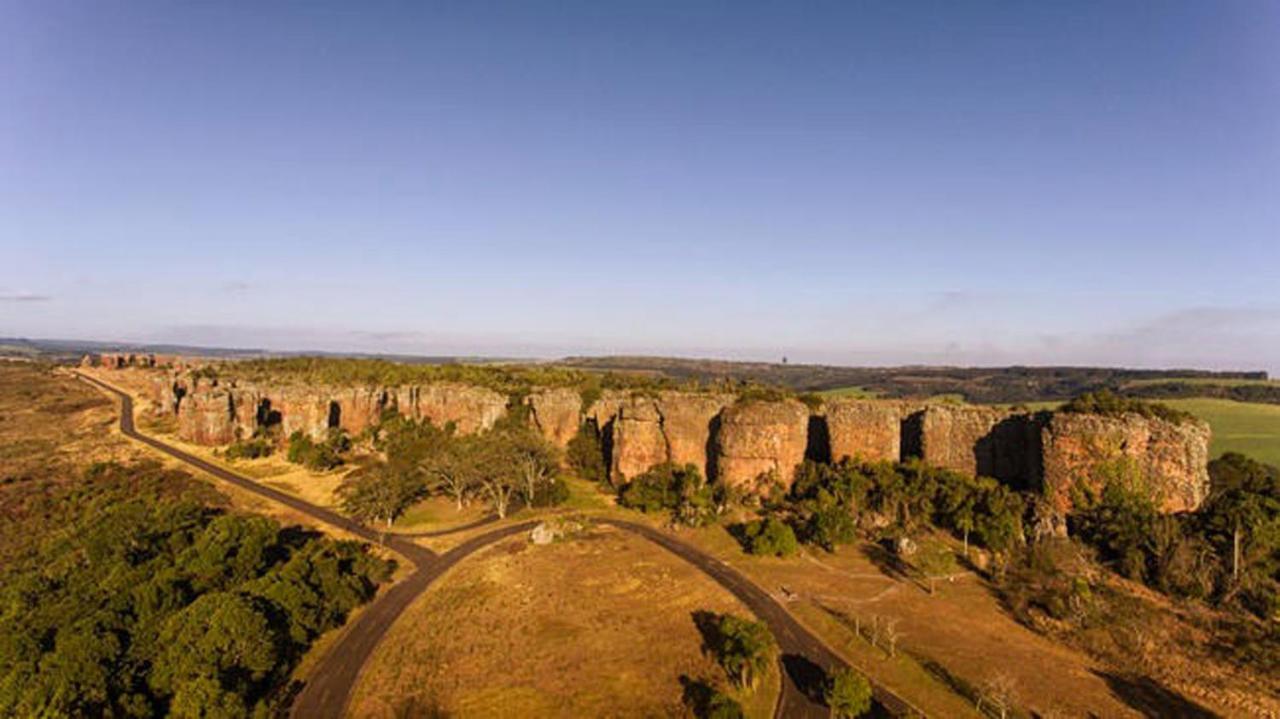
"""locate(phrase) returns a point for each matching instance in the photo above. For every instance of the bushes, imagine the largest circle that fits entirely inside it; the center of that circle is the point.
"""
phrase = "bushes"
(1106, 402)
(770, 537)
(848, 693)
(743, 648)
(678, 489)
(255, 448)
(318, 456)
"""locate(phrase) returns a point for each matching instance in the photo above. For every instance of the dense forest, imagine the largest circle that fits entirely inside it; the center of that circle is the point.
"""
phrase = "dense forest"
(131, 593)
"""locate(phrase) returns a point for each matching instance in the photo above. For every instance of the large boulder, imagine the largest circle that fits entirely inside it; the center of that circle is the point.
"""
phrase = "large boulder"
(867, 429)
(207, 418)
(759, 437)
(638, 440)
(1083, 451)
(556, 413)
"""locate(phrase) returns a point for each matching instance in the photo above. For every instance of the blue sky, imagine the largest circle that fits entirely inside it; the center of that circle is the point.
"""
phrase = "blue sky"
(860, 183)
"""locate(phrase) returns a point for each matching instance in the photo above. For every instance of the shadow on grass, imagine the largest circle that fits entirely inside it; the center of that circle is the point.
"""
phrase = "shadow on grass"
(1151, 699)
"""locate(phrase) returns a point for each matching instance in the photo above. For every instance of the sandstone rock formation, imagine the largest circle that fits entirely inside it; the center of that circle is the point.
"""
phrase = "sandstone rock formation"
(556, 413)
(869, 429)
(1084, 451)
(359, 408)
(207, 418)
(470, 409)
(688, 422)
(303, 409)
(979, 441)
(756, 438)
(638, 440)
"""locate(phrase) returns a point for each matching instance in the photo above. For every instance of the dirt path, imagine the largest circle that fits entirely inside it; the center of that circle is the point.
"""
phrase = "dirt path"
(804, 658)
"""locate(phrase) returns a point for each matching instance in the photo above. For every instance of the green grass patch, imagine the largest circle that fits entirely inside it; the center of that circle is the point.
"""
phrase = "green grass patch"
(1250, 428)
(849, 393)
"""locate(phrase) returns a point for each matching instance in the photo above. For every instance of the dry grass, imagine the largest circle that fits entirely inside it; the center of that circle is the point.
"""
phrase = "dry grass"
(599, 625)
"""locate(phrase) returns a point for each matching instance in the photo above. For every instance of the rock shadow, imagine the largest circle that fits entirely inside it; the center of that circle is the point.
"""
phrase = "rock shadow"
(911, 436)
(1151, 699)
(818, 445)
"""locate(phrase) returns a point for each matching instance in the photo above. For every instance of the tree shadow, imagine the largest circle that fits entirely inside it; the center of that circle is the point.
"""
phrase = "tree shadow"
(887, 562)
(1151, 699)
(708, 625)
(808, 676)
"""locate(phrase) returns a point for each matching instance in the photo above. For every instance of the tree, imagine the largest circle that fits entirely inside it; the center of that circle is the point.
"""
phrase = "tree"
(378, 493)
(533, 459)
(498, 471)
(224, 636)
(744, 649)
(935, 560)
(453, 468)
(585, 455)
(770, 536)
(848, 693)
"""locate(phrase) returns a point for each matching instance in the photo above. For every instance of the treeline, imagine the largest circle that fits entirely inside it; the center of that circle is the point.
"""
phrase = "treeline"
(508, 464)
(1109, 404)
(982, 385)
(1266, 393)
(145, 601)
(513, 380)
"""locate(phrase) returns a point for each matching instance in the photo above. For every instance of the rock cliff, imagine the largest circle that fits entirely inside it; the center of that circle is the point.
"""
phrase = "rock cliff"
(1084, 451)
(557, 413)
(869, 429)
(756, 438)
(207, 418)
(689, 423)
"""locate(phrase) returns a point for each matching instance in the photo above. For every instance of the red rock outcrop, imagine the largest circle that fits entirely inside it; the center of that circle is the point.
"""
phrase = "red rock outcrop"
(756, 438)
(638, 440)
(207, 418)
(1084, 451)
(556, 413)
(359, 408)
(302, 409)
(868, 429)
(687, 422)
(470, 408)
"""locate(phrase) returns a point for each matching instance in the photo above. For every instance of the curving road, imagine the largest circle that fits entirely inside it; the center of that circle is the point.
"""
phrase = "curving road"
(804, 658)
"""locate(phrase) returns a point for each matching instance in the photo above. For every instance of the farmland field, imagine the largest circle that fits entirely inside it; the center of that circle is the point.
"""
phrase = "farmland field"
(1245, 427)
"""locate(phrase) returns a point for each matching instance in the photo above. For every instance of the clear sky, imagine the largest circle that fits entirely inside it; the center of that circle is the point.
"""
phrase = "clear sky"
(848, 182)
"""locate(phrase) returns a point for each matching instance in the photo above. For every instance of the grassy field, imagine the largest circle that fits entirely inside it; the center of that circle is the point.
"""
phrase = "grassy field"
(1216, 382)
(849, 393)
(1246, 427)
(597, 625)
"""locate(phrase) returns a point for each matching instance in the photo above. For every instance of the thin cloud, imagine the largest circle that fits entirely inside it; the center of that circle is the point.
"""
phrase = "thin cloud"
(24, 297)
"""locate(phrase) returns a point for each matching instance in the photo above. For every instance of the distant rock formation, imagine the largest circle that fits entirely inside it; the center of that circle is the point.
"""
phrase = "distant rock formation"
(557, 413)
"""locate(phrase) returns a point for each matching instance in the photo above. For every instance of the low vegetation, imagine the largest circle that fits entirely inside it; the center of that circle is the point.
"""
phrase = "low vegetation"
(848, 693)
(318, 456)
(744, 648)
(680, 490)
(159, 604)
(1110, 404)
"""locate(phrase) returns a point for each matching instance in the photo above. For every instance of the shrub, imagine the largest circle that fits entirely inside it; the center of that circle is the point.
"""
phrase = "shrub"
(317, 456)
(249, 449)
(848, 693)
(1106, 402)
(707, 702)
(770, 537)
(743, 648)
(678, 489)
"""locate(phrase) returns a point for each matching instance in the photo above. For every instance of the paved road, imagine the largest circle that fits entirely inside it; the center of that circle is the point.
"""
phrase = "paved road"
(805, 659)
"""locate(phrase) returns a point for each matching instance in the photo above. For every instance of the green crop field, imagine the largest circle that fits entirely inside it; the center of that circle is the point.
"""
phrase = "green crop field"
(849, 393)
(1246, 427)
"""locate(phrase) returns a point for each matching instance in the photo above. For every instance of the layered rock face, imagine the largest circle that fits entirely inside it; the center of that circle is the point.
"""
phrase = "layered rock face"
(303, 409)
(470, 409)
(979, 441)
(871, 430)
(207, 418)
(557, 413)
(1083, 452)
(638, 440)
(688, 422)
(360, 407)
(756, 438)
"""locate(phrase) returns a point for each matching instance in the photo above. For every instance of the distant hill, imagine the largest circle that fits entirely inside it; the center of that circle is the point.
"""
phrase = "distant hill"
(987, 385)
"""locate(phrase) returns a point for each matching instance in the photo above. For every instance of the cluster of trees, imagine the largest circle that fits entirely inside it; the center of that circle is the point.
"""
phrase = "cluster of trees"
(1239, 390)
(318, 456)
(827, 502)
(1227, 552)
(1106, 402)
(253, 448)
(153, 604)
(507, 464)
(680, 490)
